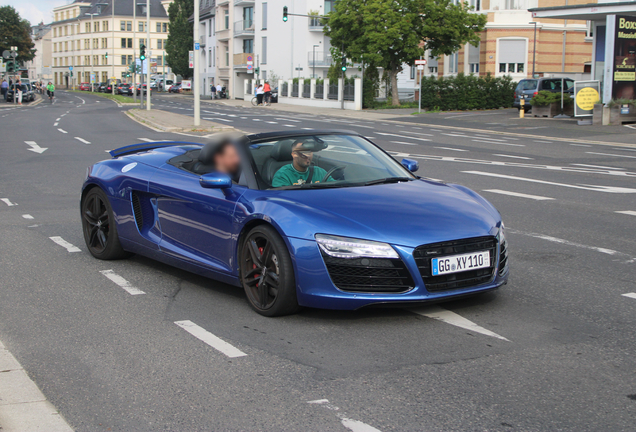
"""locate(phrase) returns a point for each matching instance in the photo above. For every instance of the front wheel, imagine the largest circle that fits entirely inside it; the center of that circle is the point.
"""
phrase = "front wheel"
(99, 227)
(255, 101)
(267, 274)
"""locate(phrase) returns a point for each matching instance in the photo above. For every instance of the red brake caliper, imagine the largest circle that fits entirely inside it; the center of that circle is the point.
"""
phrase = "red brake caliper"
(260, 249)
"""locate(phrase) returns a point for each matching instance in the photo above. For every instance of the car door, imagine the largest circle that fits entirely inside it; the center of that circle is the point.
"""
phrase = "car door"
(197, 224)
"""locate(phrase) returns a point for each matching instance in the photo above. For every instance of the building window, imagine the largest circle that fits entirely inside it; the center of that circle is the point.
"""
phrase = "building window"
(453, 63)
(55, 62)
(143, 42)
(413, 69)
(55, 47)
(432, 69)
(123, 59)
(264, 13)
(164, 27)
(476, 4)
(213, 56)
(473, 57)
(264, 50)
(210, 28)
(142, 26)
(248, 45)
(227, 19)
(129, 60)
(158, 27)
(122, 25)
(473, 67)
(227, 56)
(159, 60)
(589, 32)
(329, 6)
(123, 42)
(55, 32)
(104, 42)
(96, 27)
(105, 26)
(210, 57)
(65, 46)
(87, 60)
(512, 56)
(159, 44)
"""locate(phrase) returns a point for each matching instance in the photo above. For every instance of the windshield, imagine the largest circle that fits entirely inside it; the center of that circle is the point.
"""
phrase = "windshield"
(324, 161)
(527, 85)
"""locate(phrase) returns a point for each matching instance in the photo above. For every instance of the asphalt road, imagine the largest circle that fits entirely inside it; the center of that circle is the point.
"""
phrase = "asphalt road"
(551, 351)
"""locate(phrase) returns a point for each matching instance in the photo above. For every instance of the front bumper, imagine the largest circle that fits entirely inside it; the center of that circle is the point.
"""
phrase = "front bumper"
(316, 289)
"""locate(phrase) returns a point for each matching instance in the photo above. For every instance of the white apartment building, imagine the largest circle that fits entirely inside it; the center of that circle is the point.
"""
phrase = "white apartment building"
(207, 41)
(40, 67)
(92, 36)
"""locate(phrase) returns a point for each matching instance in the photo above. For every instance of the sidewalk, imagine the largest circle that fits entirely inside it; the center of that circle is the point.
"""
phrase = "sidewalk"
(165, 121)
(23, 407)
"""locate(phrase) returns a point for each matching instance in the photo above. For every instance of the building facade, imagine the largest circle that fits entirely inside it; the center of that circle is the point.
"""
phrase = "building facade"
(93, 37)
(207, 43)
(40, 67)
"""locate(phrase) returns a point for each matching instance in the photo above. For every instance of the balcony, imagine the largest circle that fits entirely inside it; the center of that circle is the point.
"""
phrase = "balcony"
(241, 59)
(322, 59)
(223, 35)
(244, 28)
(516, 5)
(244, 2)
(315, 24)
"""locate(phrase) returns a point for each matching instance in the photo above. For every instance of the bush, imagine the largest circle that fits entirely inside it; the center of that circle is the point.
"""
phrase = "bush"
(467, 92)
(544, 98)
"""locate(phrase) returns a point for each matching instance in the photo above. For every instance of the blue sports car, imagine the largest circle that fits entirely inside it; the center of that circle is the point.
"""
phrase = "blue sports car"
(300, 218)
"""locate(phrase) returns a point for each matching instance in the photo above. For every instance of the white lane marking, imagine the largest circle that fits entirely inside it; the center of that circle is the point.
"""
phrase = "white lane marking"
(580, 145)
(624, 149)
(35, 147)
(630, 295)
(288, 119)
(257, 120)
(608, 189)
(435, 130)
(567, 242)
(27, 216)
(82, 140)
(62, 130)
(452, 149)
(216, 118)
(514, 157)
(517, 194)
(599, 166)
(146, 139)
(271, 122)
(455, 135)
(610, 154)
(58, 119)
(123, 283)
(290, 125)
(627, 212)
(308, 129)
(444, 315)
(8, 202)
(55, 124)
(69, 247)
(544, 142)
(419, 133)
(352, 425)
(63, 115)
(402, 136)
(499, 143)
(404, 143)
(210, 339)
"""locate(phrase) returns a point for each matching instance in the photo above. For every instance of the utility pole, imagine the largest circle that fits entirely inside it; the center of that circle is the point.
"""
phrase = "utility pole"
(112, 86)
(92, 56)
(149, 55)
(196, 75)
(134, 74)
(534, 49)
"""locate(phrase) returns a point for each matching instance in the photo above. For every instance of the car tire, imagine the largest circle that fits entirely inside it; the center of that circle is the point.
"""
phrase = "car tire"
(99, 227)
(266, 273)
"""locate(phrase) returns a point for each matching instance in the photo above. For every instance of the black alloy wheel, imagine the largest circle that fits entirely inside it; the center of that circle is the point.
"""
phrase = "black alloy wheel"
(267, 274)
(100, 232)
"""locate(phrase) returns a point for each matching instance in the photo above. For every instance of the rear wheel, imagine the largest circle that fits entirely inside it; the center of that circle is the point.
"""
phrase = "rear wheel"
(100, 230)
(267, 274)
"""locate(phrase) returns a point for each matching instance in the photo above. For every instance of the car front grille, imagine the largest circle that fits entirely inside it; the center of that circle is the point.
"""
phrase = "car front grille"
(503, 257)
(425, 253)
(139, 218)
(369, 274)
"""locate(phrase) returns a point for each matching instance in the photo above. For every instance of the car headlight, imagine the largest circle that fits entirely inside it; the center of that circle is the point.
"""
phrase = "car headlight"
(502, 234)
(344, 247)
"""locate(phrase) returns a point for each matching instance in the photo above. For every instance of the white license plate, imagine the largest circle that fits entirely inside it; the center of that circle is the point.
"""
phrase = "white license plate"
(460, 263)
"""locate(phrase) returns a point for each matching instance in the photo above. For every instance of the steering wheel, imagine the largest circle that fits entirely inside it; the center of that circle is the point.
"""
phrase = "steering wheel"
(331, 171)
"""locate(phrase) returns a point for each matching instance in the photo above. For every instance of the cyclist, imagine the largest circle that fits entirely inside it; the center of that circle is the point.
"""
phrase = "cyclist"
(50, 90)
(268, 94)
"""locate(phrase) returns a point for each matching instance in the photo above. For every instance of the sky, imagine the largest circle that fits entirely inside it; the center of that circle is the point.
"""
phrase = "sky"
(35, 10)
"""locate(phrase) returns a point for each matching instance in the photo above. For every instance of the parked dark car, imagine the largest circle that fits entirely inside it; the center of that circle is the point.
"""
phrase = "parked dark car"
(27, 93)
(139, 86)
(176, 88)
(101, 87)
(529, 88)
(124, 89)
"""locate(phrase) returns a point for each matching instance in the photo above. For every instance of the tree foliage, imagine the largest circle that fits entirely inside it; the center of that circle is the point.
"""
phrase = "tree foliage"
(389, 33)
(15, 31)
(180, 39)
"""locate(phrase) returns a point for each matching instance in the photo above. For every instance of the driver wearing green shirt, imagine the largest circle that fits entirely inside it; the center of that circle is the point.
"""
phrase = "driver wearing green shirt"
(299, 171)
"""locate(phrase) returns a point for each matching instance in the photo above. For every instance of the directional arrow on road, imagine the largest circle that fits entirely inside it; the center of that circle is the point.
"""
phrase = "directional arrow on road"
(35, 147)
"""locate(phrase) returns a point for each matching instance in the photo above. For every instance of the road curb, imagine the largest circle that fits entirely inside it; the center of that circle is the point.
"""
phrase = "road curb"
(23, 407)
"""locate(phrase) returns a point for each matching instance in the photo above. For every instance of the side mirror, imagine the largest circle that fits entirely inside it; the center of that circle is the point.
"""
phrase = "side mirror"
(410, 164)
(215, 181)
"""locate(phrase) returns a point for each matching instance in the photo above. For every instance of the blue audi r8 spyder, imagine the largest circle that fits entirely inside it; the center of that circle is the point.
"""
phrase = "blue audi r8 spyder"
(363, 231)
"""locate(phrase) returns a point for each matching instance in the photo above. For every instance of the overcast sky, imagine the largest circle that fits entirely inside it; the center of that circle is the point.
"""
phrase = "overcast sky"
(35, 10)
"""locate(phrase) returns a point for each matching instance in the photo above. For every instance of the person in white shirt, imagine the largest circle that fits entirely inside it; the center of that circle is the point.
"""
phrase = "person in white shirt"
(259, 94)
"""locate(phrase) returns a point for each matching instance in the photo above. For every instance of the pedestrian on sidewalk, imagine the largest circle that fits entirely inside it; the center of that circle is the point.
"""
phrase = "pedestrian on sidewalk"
(17, 92)
(267, 90)
(219, 90)
(4, 87)
(259, 94)
(213, 90)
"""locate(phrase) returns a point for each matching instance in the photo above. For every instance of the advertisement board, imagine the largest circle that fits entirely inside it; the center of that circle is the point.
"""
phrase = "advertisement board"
(186, 85)
(624, 77)
(586, 94)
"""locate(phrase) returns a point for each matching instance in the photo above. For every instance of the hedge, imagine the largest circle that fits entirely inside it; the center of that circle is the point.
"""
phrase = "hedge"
(467, 92)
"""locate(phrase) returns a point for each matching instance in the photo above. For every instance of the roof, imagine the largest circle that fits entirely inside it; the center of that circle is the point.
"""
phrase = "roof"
(205, 12)
(589, 11)
(125, 8)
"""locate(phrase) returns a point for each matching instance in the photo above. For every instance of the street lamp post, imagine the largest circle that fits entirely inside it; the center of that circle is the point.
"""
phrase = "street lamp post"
(197, 76)
(534, 48)
(92, 56)
(313, 72)
(112, 86)
(149, 55)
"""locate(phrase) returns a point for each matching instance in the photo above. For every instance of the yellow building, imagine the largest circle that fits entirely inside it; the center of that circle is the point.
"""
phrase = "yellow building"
(92, 37)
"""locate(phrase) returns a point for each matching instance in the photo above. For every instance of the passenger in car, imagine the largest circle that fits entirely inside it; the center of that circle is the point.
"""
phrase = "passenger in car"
(301, 170)
(226, 159)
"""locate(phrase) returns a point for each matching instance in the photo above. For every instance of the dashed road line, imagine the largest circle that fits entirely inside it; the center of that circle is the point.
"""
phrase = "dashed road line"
(402, 136)
(220, 119)
(8, 202)
(567, 242)
(271, 122)
(55, 124)
(610, 154)
(58, 119)
(27, 216)
(498, 143)
(82, 140)
(403, 143)
(210, 339)
(444, 315)
(121, 282)
(630, 295)
(66, 245)
(62, 130)
(513, 157)
(599, 166)
(580, 145)
(517, 194)
(288, 119)
(291, 126)
(452, 149)
(352, 425)
(627, 212)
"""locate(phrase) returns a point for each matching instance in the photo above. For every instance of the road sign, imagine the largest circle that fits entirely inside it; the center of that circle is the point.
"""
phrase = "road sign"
(70, 68)
(249, 59)
(197, 46)
(420, 62)
(191, 60)
(6, 54)
(586, 94)
(92, 78)
(250, 69)
(420, 67)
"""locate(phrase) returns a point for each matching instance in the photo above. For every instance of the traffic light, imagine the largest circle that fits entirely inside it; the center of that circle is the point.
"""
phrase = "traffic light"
(257, 71)
(10, 66)
(344, 65)
(285, 13)
(142, 52)
(106, 55)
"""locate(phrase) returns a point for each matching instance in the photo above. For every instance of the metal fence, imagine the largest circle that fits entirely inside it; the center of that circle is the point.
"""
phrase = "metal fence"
(284, 91)
(320, 91)
(294, 90)
(306, 90)
(349, 91)
(249, 86)
(333, 91)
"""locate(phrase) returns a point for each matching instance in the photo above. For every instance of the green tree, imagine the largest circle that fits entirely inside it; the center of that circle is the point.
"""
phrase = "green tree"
(180, 39)
(15, 31)
(390, 33)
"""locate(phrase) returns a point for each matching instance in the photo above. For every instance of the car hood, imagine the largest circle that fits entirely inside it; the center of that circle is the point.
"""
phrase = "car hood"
(407, 214)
